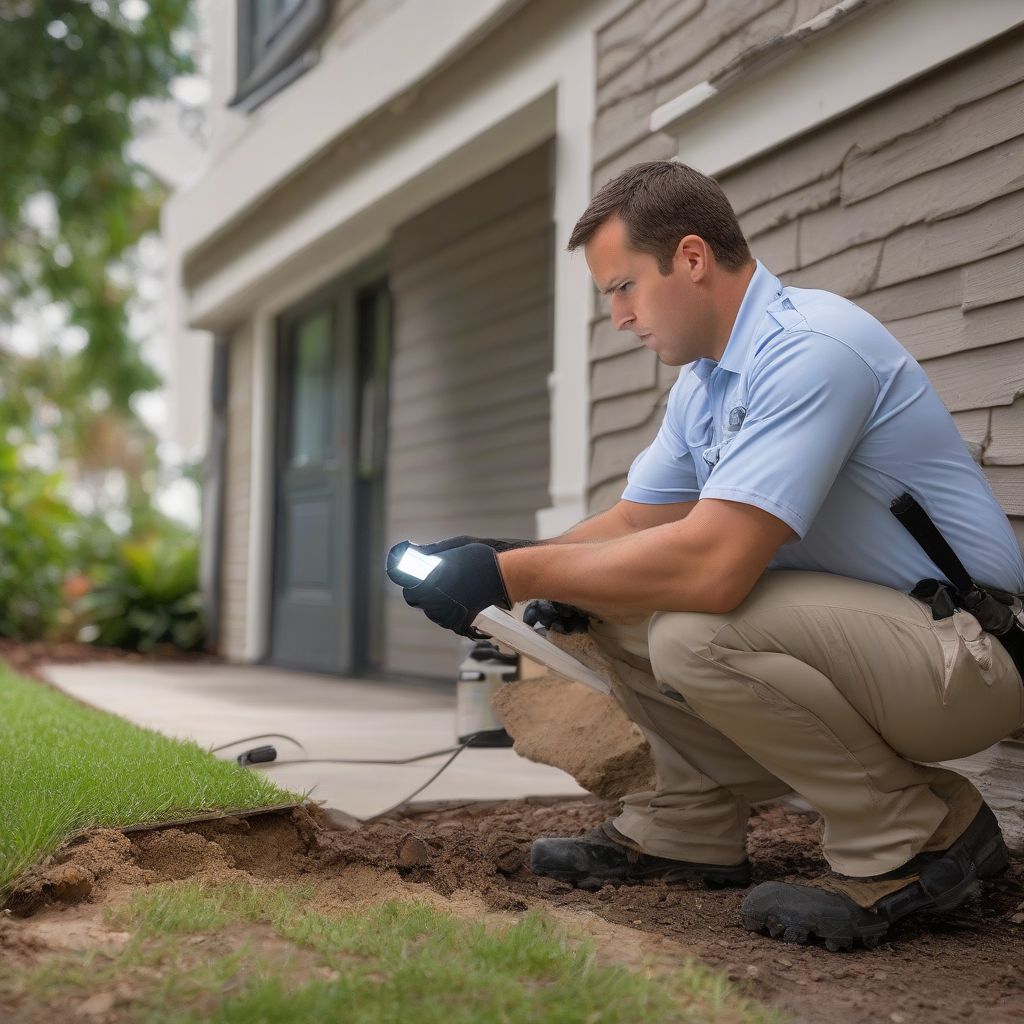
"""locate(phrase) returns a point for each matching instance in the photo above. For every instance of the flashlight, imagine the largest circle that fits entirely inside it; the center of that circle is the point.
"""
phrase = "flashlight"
(417, 564)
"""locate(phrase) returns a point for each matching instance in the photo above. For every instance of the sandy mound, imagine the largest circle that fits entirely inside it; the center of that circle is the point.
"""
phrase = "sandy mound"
(566, 724)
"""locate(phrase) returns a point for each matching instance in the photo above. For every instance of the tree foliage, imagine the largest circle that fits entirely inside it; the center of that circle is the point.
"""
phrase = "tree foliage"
(72, 204)
(73, 208)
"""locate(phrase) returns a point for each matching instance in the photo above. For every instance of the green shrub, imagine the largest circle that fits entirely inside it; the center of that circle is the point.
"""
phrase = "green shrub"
(38, 547)
(63, 573)
(148, 595)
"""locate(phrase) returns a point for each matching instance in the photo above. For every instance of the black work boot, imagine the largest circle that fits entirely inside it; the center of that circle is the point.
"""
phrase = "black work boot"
(842, 910)
(605, 855)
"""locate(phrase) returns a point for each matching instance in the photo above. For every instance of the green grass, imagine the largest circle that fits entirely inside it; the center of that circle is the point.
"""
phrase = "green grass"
(194, 906)
(67, 767)
(395, 961)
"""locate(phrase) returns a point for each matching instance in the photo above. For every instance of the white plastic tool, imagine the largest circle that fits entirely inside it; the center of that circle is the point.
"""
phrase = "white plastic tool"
(498, 623)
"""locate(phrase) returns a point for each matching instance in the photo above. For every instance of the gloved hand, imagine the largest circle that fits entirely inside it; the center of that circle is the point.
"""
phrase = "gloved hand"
(562, 618)
(498, 544)
(467, 580)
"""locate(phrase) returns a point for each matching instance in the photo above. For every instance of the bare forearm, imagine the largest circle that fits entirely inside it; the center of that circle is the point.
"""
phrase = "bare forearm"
(606, 525)
(658, 569)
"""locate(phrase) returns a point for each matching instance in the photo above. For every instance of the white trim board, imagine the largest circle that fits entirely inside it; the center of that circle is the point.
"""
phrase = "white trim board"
(346, 87)
(261, 490)
(840, 63)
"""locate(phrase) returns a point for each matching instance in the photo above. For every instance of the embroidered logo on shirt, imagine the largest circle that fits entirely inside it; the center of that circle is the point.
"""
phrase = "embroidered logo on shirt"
(713, 453)
(736, 417)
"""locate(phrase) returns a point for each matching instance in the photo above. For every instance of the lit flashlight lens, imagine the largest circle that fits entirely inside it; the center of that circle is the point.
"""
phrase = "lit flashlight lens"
(415, 563)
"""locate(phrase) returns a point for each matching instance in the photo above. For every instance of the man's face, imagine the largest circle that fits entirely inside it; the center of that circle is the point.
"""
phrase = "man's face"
(668, 312)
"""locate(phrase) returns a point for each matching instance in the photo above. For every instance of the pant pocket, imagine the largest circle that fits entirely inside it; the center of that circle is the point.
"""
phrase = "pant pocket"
(981, 699)
(961, 637)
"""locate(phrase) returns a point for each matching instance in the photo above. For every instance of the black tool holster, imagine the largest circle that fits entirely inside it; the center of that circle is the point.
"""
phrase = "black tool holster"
(997, 611)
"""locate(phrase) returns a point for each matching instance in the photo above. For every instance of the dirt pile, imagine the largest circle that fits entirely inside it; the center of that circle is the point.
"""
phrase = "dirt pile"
(960, 968)
(563, 723)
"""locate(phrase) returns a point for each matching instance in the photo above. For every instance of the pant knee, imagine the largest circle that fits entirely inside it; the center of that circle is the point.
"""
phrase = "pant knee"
(679, 641)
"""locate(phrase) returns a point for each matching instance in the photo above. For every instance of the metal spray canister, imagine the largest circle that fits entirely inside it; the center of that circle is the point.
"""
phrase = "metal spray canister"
(482, 671)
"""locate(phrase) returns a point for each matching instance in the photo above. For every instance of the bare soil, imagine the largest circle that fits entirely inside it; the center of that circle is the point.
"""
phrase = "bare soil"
(472, 860)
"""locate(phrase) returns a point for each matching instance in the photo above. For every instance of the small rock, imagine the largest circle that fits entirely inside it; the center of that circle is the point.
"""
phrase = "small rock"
(70, 882)
(1017, 918)
(880, 975)
(782, 961)
(96, 1005)
(897, 1018)
(413, 852)
(339, 821)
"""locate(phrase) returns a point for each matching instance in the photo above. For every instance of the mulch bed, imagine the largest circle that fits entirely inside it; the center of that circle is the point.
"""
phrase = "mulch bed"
(26, 658)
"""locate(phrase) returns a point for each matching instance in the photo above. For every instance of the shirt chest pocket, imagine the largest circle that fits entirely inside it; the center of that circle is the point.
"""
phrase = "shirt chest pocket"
(712, 455)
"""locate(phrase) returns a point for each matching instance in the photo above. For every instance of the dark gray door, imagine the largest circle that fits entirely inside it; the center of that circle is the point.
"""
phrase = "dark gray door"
(332, 381)
(309, 629)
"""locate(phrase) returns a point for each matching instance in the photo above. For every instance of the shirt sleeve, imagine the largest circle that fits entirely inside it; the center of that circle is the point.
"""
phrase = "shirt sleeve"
(663, 472)
(809, 399)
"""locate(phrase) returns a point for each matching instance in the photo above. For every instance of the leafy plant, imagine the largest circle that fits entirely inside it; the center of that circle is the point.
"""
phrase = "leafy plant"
(148, 596)
(38, 542)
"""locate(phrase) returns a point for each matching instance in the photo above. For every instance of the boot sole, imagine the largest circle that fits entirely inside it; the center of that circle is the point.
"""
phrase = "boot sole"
(781, 915)
(727, 878)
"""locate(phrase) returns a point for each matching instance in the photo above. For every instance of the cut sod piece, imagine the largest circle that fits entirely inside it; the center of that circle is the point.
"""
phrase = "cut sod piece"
(67, 767)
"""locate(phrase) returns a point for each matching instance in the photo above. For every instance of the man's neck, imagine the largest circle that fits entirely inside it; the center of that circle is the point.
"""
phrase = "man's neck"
(732, 287)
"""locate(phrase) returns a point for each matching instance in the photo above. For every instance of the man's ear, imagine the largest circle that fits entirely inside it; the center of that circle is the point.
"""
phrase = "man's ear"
(693, 257)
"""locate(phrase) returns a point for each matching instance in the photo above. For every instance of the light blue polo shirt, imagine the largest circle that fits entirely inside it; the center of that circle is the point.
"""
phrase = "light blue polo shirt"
(818, 415)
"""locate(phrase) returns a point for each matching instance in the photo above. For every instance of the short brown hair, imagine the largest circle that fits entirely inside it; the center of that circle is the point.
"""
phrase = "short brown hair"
(660, 202)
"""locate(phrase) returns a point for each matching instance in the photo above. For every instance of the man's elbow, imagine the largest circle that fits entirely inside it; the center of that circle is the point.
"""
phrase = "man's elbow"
(726, 591)
(720, 602)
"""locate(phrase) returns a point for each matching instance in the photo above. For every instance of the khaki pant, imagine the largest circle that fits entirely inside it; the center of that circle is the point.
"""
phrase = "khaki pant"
(830, 687)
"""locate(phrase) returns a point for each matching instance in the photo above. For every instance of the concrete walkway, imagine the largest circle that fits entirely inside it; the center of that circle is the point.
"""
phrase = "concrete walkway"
(331, 717)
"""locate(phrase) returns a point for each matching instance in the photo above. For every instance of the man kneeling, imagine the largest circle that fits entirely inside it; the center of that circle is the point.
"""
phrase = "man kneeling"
(752, 586)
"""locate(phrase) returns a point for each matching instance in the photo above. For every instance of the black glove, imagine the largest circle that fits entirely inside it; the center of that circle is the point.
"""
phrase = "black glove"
(562, 618)
(466, 581)
(459, 542)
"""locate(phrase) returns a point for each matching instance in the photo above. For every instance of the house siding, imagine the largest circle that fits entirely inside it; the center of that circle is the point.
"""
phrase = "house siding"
(469, 451)
(237, 493)
(651, 52)
(912, 206)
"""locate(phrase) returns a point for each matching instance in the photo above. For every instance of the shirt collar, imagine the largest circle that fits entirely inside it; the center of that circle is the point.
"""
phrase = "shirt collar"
(764, 288)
